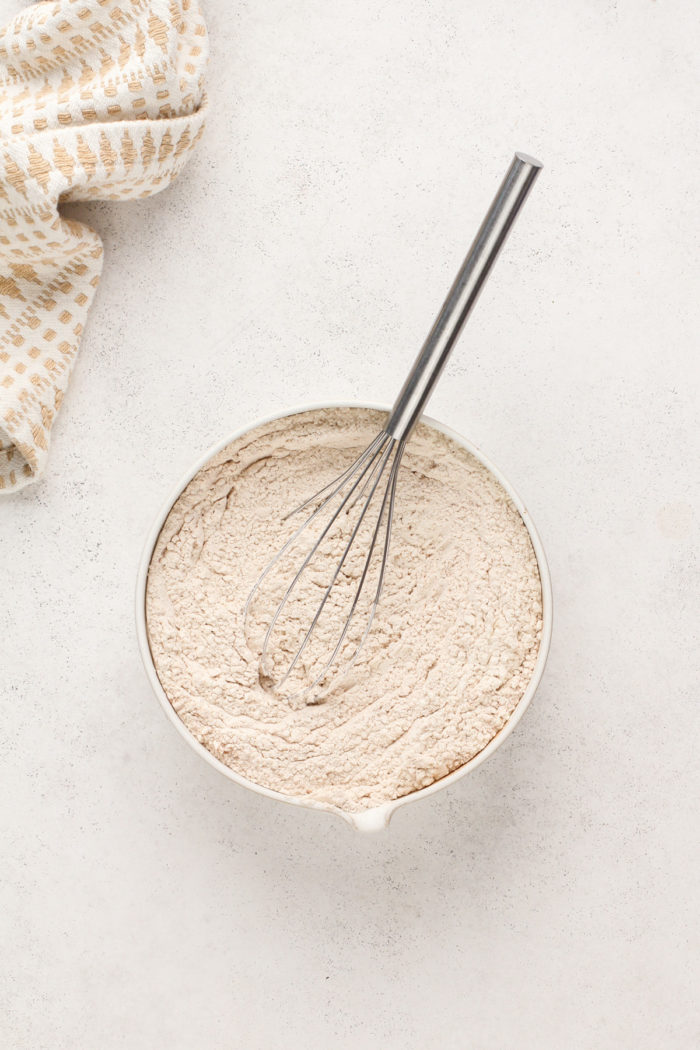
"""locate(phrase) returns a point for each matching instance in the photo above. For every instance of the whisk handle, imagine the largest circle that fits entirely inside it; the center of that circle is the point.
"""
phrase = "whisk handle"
(462, 295)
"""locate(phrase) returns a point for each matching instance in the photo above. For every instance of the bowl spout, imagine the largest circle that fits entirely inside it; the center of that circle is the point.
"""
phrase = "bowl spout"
(370, 821)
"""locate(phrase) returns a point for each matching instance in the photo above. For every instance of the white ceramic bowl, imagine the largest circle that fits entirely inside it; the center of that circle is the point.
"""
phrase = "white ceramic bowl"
(379, 817)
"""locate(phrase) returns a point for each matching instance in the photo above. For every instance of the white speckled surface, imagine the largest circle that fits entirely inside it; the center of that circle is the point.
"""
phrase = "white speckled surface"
(551, 899)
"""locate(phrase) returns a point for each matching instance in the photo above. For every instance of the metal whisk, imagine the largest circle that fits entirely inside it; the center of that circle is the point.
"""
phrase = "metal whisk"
(355, 579)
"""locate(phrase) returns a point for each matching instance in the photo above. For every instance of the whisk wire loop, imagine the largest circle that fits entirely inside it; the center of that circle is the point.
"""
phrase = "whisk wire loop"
(380, 466)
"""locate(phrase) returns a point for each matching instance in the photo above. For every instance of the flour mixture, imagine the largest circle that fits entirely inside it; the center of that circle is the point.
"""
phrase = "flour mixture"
(452, 649)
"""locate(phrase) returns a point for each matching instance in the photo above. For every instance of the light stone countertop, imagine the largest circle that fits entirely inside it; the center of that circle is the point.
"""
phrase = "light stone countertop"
(552, 898)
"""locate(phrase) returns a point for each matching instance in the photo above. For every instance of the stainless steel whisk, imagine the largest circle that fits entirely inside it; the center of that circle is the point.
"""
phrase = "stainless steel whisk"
(381, 460)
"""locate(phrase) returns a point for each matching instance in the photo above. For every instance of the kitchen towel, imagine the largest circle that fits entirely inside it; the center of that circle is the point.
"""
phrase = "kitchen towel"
(99, 100)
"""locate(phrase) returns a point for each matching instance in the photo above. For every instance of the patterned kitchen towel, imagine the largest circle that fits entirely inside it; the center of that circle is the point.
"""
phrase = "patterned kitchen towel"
(99, 100)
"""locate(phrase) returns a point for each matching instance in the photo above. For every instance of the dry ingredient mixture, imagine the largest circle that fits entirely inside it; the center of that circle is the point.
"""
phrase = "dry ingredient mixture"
(452, 649)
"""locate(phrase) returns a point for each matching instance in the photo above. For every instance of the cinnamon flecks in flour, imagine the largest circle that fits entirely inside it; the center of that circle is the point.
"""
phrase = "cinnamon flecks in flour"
(452, 649)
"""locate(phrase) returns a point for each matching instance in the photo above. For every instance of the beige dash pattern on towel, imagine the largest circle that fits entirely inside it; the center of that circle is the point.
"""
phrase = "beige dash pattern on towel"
(99, 100)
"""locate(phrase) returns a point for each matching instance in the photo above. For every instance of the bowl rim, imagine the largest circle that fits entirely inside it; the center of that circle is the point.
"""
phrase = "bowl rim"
(379, 816)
